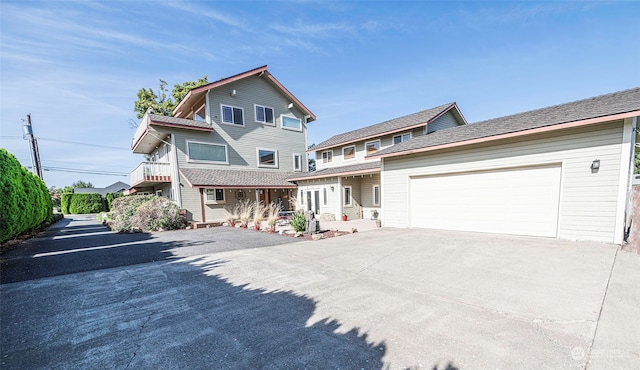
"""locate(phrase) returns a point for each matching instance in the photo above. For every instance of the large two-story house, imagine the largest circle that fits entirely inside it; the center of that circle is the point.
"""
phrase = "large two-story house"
(241, 137)
(345, 183)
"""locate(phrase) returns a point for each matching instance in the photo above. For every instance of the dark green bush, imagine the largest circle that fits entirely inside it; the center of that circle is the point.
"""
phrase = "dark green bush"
(25, 203)
(145, 213)
(110, 198)
(82, 203)
(65, 201)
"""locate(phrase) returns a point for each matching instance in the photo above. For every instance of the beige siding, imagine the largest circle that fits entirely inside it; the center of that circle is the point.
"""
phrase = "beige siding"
(191, 202)
(447, 120)
(588, 201)
(353, 211)
(333, 197)
(366, 191)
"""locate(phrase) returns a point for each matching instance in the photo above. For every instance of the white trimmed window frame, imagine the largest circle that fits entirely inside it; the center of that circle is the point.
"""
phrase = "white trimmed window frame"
(344, 157)
(282, 117)
(329, 157)
(222, 106)
(402, 137)
(348, 200)
(264, 108)
(375, 190)
(366, 146)
(226, 153)
(215, 199)
(275, 158)
(299, 169)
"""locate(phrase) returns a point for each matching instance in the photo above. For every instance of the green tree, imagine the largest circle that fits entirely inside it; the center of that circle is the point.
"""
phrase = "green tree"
(161, 103)
(82, 184)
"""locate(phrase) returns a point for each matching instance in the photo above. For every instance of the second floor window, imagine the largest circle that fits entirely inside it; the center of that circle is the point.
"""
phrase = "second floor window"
(400, 138)
(291, 123)
(207, 152)
(264, 114)
(267, 158)
(372, 147)
(327, 157)
(349, 152)
(232, 115)
(297, 162)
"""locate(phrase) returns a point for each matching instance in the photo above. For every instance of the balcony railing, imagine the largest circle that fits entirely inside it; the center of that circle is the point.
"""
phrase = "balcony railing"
(151, 172)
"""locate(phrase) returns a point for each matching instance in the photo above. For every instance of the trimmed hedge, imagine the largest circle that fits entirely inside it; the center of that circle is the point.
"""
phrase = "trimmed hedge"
(82, 203)
(25, 203)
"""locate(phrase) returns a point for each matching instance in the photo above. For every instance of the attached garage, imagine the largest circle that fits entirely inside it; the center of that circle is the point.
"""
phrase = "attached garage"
(561, 172)
(523, 201)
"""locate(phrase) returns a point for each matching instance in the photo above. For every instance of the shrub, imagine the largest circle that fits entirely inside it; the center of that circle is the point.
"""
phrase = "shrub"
(82, 203)
(299, 223)
(144, 212)
(65, 201)
(25, 203)
(109, 197)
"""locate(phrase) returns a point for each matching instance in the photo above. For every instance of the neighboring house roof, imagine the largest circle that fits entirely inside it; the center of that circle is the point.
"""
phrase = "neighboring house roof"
(404, 123)
(355, 169)
(197, 92)
(113, 188)
(176, 122)
(618, 105)
(197, 177)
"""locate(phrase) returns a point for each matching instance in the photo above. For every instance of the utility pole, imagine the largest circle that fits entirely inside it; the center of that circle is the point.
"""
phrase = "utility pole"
(35, 154)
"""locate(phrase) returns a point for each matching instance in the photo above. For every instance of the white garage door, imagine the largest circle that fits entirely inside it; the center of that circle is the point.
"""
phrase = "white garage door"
(521, 201)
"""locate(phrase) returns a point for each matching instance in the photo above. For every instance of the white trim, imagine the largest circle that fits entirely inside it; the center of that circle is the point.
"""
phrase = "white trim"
(226, 152)
(345, 159)
(290, 128)
(373, 193)
(275, 158)
(625, 149)
(350, 204)
(299, 161)
(195, 113)
(215, 201)
(273, 115)
(366, 153)
(232, 108)
(322, 156)
(207, 104)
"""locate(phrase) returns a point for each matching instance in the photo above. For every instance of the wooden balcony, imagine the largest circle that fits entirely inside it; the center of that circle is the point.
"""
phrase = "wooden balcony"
(150, 174)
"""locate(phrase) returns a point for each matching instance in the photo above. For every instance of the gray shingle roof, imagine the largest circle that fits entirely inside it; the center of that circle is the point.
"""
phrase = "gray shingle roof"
(158, 119)
(113, 188)
(237, 178)
(422, 117)
(599, 106)
(373, 166)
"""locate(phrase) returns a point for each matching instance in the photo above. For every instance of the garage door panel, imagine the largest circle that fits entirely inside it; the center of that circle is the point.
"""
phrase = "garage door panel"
(520, 201)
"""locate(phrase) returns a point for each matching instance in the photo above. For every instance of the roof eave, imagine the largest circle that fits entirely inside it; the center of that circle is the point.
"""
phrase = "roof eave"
(339, 174)
(550, 128)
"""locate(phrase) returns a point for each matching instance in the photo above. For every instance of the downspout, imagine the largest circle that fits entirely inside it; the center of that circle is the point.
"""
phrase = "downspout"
(175, 174)
(627, 208)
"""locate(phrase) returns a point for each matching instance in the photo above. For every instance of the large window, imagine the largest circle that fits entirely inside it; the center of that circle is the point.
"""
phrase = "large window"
(400, 138)
(376, 195)
(207, 152)
(291, 123)
(347, 196)
(297, 162)
(349, 152)
(327, 157)
(267, 158)
(232, 115)
(264, 114)
(372, 147)
(215, 195)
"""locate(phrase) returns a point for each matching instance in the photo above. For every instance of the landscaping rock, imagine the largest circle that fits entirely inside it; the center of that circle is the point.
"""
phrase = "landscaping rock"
(316, 236)
(354, 230)
(298, 235)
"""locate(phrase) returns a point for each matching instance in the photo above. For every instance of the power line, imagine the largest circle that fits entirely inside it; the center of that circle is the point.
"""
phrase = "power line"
(90, 172)
(68, 142)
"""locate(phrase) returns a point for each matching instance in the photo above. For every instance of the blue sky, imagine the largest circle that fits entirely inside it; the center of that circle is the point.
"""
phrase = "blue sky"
(77, 66)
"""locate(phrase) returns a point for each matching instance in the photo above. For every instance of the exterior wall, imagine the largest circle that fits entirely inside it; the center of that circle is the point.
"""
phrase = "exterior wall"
(191, 202)
(447, 120)
(589, 202)
(333, 197)
(353, 211)
(366, 195)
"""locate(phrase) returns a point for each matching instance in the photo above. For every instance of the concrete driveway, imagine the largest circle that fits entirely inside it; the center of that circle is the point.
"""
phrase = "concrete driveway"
(379, 299)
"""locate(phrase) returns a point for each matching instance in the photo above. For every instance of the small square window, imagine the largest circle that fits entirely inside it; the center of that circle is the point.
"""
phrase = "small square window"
(215, 195)
(267, 158)
(349, 152)
(232, 115)
(372, 147)
(327, 157)
(264, 114)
